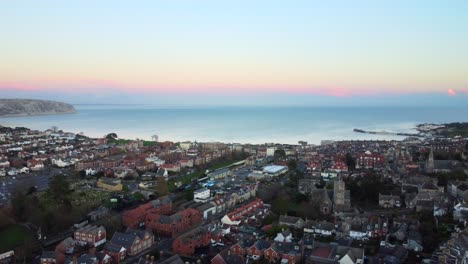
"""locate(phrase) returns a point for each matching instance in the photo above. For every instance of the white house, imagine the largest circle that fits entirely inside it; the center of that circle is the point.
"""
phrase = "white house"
(13, 172)
(90, 172)
(226, 220)
(60, 163)
(4, 164)
(207, 209)
(350, 255)
(357, 233)
(157, 161)
(185, 145)
(284, 236)
(271, 151)
(24, 170)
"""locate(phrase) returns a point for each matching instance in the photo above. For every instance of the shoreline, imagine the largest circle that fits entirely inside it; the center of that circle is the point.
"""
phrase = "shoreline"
(39, 114)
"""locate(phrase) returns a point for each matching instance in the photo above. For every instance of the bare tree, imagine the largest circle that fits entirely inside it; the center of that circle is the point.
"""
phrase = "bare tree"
(155, 138)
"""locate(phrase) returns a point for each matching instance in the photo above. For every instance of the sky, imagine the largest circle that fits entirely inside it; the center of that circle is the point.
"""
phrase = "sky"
(236, 52)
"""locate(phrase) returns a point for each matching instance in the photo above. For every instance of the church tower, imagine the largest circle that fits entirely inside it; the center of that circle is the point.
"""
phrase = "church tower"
(430, 162)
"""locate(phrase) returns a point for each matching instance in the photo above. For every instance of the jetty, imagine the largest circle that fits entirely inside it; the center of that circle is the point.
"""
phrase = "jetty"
(387, 133)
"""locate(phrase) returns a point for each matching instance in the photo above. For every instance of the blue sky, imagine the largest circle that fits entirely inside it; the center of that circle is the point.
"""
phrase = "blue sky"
(262, 52)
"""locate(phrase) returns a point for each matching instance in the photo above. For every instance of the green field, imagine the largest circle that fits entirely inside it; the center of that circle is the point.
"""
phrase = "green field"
(12, 236)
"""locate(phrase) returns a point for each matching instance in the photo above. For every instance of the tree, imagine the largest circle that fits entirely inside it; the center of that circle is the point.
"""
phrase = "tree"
(59, 187)
(18, 203)
(155, 138)
(292, 164)
(350, 161)
(161, 186)
(279, 153)
(188, 194)
(112, 136)
(138, 196)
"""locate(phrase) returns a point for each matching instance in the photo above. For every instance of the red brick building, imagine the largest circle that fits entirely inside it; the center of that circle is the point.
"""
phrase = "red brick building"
(135, 217)
(187, 243)
(258, 248)
(226, 257)
(241, 247)
(132, 243)
(172, 225)
(91, 235)
(278, 251)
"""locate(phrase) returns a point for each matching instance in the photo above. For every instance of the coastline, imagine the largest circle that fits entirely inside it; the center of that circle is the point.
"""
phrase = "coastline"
(40, 114)
(251, 125)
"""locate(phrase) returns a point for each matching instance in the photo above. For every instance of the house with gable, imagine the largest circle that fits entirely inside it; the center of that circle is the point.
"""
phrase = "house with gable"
(291, 221)
(133, 241)
(290, 253)
(257, 250)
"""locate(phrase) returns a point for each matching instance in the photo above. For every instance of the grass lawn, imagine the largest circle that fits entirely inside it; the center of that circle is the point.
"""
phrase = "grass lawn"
(223, 164)
(12, 236)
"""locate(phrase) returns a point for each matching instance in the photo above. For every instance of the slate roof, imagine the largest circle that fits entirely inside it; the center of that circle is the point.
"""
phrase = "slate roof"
(123, 239)
(289, 219)
(262, 244)
(128, 238)
(113, 247)
(286, 248)
(172, 260)
(86, 259)
(245, 243)
(48, 255)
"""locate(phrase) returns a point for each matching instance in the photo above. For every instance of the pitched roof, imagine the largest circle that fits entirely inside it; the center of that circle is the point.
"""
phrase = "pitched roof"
(48, 255)
(123, 239)
(172, 260)
(262, 244)
(289, 219)
(229, 258)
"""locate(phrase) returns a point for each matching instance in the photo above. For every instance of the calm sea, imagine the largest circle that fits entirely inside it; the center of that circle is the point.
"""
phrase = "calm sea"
(240, 124)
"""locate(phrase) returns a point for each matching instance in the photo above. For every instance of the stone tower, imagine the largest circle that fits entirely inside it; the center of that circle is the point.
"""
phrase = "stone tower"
(341, 198)
(430, 162)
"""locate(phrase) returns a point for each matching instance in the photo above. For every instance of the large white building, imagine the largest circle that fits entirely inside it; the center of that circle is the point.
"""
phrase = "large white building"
(274, 170)
(201, 195)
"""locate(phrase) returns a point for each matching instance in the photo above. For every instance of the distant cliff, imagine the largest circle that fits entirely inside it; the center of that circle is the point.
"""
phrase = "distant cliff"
(25, 107)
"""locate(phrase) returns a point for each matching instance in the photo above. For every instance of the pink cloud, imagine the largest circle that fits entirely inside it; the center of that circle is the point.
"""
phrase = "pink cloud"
(17, 86)
(451, 92)
(110, 86)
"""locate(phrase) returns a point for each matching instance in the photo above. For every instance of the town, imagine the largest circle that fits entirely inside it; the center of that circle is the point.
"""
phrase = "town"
(67, 198)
